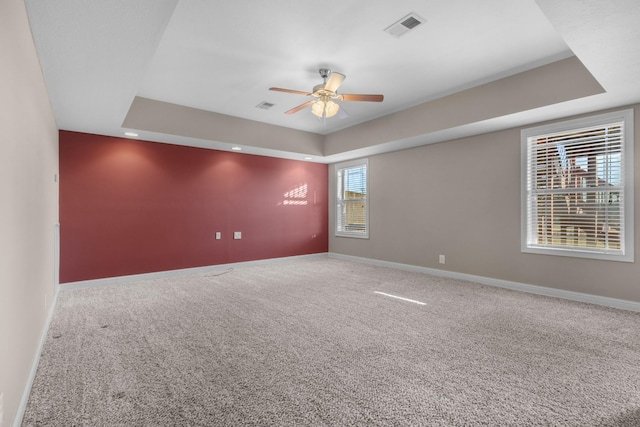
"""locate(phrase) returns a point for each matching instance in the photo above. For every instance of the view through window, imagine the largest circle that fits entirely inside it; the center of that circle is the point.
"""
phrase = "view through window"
(352, 209)
(576, 195)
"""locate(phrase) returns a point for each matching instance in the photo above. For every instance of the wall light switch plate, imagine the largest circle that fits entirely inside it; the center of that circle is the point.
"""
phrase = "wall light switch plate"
(441, 259)
(218, 235)
(237, 235)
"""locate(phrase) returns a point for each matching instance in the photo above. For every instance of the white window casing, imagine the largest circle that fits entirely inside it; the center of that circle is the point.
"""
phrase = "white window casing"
(577, 188)
(352, 199)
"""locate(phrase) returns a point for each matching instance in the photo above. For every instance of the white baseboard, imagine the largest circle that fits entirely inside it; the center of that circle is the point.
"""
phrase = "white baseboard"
(176, 273)
(516, 286)
(22, 407)
(523, 287)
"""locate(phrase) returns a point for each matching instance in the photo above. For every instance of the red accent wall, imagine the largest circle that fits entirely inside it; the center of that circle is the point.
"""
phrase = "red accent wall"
(131, 207)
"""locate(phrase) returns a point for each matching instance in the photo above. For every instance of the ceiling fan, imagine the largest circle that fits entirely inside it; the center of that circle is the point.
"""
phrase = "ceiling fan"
(326, 94)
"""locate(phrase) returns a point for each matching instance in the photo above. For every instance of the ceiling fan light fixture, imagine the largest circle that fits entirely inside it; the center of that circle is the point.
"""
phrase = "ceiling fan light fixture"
(318, 108)
(327, 109)
(331, 109)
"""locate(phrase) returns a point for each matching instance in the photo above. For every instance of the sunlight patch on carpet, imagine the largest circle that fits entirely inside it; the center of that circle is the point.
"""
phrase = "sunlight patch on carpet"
(401, 298)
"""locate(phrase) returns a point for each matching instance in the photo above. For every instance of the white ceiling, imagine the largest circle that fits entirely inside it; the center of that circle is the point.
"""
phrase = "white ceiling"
(222, 56)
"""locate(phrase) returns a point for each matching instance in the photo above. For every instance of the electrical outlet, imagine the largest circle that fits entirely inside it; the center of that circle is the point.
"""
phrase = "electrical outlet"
(237, 235)
(218, 235)
(441, 259)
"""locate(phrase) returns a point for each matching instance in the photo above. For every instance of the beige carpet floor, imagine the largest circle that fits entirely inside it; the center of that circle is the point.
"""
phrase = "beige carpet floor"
(309, 342)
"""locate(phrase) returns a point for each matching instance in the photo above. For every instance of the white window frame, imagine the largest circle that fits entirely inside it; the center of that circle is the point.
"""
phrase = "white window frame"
(340, 202)
(529, 242)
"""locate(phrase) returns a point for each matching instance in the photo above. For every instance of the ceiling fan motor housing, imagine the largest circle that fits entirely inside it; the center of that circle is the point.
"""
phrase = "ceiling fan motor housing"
(324, 73)
(319, 90)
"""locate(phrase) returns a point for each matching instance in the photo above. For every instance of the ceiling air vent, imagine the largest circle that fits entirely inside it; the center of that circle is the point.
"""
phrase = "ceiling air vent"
(265, 105)
(404, 25)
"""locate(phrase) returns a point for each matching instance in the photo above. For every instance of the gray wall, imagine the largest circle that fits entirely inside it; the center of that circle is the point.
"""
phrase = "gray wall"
(29, 206)
(461, 198)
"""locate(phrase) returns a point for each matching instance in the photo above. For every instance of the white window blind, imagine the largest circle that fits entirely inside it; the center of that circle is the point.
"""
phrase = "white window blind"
(576, 188)
(352, 208)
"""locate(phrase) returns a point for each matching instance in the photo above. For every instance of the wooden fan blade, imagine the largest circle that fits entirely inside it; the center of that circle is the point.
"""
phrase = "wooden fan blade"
(334, 81)
(300, 107)
(298, 92)
(356, 97)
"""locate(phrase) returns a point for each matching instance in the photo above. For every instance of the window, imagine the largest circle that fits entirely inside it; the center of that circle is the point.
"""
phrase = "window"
(577, 188)
(352, 207)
